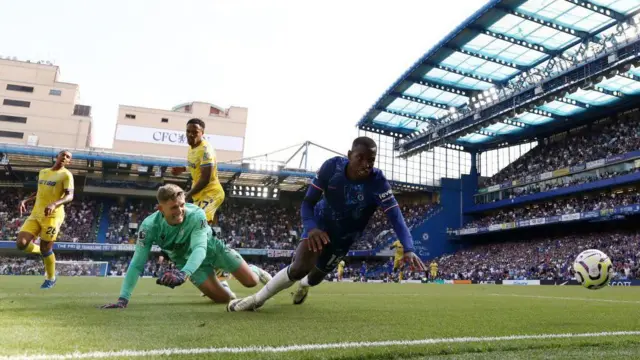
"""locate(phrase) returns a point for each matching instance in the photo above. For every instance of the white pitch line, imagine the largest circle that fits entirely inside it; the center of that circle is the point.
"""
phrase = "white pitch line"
(568, 298)
(307, 347)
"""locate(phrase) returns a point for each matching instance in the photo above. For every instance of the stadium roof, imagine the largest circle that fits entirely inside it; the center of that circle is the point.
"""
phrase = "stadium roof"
(291, 173)
(501, 50)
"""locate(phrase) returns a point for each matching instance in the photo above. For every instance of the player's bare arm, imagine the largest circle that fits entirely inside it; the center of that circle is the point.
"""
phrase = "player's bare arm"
(205, 176)
(67, 198)
(22, 207)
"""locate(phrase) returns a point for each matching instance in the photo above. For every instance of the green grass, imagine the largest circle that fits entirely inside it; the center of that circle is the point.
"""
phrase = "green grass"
(66, 319)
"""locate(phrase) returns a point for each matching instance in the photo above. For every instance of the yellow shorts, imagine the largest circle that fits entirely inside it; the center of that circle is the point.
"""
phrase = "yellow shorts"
(210, 205)
(434, 273)
(46, 228)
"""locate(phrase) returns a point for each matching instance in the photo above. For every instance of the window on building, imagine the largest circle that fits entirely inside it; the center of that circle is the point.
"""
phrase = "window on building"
(13, 119)
(187, 108)
(20, 88)
(130, 116)
(55, 92)
(11, 134)
(19, 103)
(213, 111)
(165, 120)
(82, 110)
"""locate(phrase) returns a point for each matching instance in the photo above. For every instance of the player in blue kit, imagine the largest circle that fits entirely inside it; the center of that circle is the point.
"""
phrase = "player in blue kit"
(335, 211)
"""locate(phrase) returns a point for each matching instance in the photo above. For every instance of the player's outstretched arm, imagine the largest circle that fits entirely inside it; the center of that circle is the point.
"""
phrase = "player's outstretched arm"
(391, 208)
(198, 247)
(140, 257)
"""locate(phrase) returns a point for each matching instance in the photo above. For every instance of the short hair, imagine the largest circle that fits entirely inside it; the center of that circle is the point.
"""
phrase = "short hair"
(363, 141)
(64, 151)
(169, 192)
(196, 121)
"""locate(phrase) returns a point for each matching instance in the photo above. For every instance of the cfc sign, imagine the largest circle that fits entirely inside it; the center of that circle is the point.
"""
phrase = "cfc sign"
(176, 138)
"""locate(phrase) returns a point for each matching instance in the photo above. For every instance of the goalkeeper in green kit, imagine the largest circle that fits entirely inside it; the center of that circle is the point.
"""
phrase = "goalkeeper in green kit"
(182, 232)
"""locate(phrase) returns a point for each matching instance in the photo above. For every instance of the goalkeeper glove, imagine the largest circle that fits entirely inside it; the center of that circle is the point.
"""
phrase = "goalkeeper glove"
(172, 278)
(121, 304)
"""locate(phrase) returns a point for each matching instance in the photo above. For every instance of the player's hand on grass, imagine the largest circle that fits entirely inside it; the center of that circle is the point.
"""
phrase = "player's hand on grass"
(317, 239)
(410, 258)
(121, 304)
(172, 278)
(49, 209)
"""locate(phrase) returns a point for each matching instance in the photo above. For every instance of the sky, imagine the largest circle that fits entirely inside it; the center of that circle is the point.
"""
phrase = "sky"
(311, 69)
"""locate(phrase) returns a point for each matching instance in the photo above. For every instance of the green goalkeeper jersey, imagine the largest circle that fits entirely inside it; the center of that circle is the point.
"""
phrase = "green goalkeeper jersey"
(187, 244)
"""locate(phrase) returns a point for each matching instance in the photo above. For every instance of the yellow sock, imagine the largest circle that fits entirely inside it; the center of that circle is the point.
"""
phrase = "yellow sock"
(400, 276)
(50, 265)
(33, 248)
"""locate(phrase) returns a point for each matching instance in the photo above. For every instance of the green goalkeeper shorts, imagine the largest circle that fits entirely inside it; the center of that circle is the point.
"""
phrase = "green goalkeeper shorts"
(224, 258)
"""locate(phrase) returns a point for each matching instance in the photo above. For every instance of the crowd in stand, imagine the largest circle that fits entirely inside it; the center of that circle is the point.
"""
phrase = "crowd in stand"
(544, 259)
(241, 224)
(571, 205)
(603, 140)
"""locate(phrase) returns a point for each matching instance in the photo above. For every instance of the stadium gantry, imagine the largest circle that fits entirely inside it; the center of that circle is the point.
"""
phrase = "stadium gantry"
(514, 71)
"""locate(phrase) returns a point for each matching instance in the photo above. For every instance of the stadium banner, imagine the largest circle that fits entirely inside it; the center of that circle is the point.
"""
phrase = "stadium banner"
(561, 172)
(487, 282)
(482, 191)
(493, 188)
(615, 158)
(174, 137)
(558, 282)
(462, 282)
(595, 164)
(538, 221)
(495, 227)
(570, 217)
(590, 214)
(636, 163)
(577, 168)
(547, 175)
(272, 253)
(520, 282)
(624, 283)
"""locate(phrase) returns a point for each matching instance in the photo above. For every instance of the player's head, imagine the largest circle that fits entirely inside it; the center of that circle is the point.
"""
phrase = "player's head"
(195, 131)
(362, 156)
(63, 158)
(171, 202)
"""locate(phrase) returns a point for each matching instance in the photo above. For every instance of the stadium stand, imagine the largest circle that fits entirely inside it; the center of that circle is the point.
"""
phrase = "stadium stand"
(243, 223)
(548, 258)
(582, 202)
(599, 141)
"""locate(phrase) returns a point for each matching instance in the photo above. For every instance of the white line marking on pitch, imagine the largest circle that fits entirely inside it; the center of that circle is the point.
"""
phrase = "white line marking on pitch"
(307, 347)
(568, 298)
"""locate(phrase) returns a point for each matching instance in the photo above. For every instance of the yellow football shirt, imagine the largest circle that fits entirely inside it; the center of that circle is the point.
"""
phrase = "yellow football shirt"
(51, 187)
(204, 155)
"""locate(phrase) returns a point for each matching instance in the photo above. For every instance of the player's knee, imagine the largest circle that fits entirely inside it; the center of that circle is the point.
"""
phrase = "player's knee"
(315, 277)
(298, 271)
(22, 241)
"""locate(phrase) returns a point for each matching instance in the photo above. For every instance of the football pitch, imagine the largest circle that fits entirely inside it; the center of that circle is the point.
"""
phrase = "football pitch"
(338, 321)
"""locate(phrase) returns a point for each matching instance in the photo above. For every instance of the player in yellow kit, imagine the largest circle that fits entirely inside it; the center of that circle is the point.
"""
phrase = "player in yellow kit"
(397, 261)
(55, 188)
(206, 190)
(433, 268)
(340, 270)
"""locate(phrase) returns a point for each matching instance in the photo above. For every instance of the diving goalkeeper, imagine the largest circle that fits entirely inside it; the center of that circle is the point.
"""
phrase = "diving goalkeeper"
(182, 232)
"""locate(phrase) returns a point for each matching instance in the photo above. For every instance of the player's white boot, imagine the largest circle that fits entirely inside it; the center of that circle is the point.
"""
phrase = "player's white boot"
(300, 295)
(249, 303)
